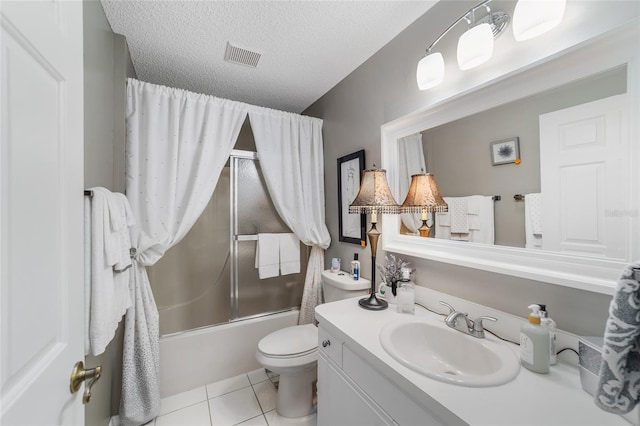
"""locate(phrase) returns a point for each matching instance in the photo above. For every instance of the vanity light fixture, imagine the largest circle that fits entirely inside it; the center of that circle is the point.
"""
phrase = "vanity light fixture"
(475, 46)
(423, 197)
(374, 197)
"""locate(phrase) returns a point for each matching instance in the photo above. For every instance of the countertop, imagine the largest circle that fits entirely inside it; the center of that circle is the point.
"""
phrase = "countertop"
(556, 398)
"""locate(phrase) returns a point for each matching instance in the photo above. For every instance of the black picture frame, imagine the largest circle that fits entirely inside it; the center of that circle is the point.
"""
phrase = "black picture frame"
(351, 227)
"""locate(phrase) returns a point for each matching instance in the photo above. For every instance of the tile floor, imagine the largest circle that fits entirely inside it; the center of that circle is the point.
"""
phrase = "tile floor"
(247, 400)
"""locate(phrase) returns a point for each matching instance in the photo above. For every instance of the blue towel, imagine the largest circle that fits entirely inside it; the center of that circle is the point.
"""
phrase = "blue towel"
(619, 383)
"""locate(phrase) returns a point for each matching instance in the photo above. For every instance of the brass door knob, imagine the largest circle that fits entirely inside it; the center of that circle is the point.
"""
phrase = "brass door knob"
(79, 375)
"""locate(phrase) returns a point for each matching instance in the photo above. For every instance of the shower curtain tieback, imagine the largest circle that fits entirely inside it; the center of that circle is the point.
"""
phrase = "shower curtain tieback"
(177, 145)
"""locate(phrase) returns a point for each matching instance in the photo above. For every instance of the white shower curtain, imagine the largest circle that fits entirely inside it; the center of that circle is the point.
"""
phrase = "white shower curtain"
(291, 158)
(177, 145)
(411, 160)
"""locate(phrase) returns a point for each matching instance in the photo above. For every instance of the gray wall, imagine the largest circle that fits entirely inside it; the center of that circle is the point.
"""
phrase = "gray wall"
(458, 154)
(384, 88)
(107, 64)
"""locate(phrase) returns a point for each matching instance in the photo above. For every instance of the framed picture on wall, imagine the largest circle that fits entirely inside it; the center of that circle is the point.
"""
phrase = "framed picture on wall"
(506, 151)
(351, 226)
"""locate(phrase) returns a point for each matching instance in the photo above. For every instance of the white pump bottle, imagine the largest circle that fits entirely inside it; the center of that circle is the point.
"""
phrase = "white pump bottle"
(534, 343)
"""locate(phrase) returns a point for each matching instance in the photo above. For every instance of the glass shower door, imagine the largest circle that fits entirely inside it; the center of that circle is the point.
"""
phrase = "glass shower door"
(253, 212)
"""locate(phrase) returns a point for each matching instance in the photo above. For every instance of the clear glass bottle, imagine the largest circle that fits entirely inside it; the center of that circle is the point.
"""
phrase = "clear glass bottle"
(406, 293)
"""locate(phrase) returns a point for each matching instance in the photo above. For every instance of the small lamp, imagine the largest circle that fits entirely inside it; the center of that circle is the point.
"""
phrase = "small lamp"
(423, 196)
(374, 197)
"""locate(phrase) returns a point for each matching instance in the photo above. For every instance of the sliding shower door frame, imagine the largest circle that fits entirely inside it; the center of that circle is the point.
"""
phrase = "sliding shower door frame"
(235, 311)
(234, 238)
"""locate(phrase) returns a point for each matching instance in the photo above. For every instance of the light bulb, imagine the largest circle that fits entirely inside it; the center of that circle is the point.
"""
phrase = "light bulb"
(532, 18)
(475, 46)
(430, 71)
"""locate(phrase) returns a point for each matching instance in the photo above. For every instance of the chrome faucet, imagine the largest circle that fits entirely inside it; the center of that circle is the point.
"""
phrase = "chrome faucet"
(470, 327)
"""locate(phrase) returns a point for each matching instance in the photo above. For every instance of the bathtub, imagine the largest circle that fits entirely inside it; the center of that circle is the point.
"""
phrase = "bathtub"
(202, 356)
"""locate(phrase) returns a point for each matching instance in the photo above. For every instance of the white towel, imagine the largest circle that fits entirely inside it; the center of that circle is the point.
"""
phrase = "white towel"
(480, 219)
(532, 207)
(485, 232)
(443, 219)
(473, 213)
(458, 212)
(119, 244)
(110, 296)
(534, 201)
(268, 255)
(474, 204)
(289, 254)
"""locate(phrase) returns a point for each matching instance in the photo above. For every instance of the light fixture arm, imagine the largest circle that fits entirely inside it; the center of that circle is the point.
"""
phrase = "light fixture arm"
(486, 6)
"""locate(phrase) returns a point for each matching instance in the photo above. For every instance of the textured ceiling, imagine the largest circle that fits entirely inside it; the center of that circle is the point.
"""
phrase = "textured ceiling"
(307, 46)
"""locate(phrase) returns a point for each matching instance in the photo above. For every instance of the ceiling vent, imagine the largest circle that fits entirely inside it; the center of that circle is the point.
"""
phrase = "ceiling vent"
(238, 55)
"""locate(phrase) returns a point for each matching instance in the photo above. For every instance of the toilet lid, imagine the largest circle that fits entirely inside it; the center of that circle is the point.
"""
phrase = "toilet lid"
(290, 341)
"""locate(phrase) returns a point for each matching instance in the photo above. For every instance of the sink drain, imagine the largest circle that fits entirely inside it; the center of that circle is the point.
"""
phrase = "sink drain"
(453, 373)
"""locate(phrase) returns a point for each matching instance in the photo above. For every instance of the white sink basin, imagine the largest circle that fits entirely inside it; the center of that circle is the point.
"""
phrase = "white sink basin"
(448, 355)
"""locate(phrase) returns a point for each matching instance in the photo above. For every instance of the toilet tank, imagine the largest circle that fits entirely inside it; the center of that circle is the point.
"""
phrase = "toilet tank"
(339, 285)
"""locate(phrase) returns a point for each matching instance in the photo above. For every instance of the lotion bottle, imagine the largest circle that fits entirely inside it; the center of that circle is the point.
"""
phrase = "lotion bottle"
(546, 321)
(534, 343)
(355, 267)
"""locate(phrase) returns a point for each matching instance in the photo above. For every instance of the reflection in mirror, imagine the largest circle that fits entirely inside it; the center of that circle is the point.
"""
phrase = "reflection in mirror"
(411, 160)
(578, 149)
(458, 154)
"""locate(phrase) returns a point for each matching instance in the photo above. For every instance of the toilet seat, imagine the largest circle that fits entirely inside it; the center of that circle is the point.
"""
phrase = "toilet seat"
(290, 342)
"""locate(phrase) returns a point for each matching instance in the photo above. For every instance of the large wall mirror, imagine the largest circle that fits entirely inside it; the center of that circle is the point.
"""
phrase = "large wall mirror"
(541, 166)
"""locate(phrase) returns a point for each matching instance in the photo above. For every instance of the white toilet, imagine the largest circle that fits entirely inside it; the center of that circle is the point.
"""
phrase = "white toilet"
(292, 352)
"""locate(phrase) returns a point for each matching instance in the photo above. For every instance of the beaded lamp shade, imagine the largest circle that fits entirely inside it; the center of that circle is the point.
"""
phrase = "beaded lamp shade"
(423, 195)
(374, 195)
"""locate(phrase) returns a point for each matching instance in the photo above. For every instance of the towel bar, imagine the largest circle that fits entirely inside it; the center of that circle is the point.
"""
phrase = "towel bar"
(518, 197)
(246, 237)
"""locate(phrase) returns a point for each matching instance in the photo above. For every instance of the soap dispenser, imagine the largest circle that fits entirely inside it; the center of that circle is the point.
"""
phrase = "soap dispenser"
(546, 321)
(534, 343)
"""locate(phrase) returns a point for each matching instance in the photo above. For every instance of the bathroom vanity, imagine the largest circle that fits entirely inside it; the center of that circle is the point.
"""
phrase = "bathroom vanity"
(359, 383)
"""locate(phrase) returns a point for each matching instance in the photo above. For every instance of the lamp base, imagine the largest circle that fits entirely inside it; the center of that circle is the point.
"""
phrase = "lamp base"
(372, 303)
(424, 229)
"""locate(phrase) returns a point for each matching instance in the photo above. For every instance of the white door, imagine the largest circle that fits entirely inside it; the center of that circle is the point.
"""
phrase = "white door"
(584, 165)
(41, 211)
